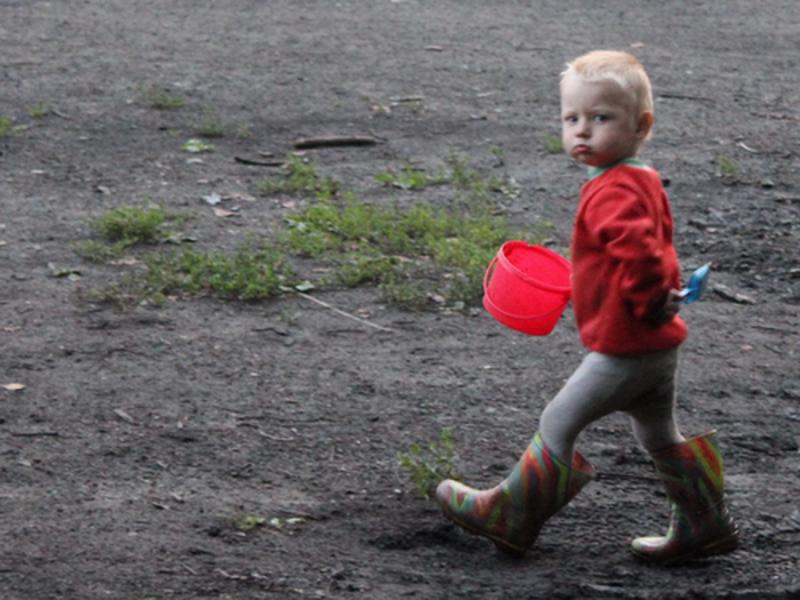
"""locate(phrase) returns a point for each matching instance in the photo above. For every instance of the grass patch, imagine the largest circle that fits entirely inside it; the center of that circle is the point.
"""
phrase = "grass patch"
(300, 177)
(39, 110)
(248, 274)
(552, 144)
(131, 225)
(499, 155)
(410, 178)
(244, 132)
(100, 252)
(211, 126)
(250, 522)
(124, 227)
(427, 465)
(728, 167)
(5, 126)
(414, 254)
(160, 98)
(419, 257)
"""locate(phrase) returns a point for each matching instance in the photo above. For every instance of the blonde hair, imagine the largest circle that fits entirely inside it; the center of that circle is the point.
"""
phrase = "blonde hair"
(620, 67)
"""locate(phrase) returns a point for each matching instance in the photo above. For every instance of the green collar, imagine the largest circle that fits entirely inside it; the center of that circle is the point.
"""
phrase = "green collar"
(633, 162)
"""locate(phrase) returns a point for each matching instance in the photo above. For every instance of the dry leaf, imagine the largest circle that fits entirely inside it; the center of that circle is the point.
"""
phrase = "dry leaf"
(14, 387)
(238, 197)
(124, 416)
(221, 212)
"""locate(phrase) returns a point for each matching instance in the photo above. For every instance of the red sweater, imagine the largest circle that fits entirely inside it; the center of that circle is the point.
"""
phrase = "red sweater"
(623, 262)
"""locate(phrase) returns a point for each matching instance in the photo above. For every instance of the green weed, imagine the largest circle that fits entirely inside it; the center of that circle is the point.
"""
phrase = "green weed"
(122, 294)
(499, 155)
(5, 126)
(728, 167)
(100, 252)
(211, 126)
(250, 522)
(412, 254)
(160, 98)
(301, 177)
(426, 466)
(552, 144)
(39, 110)
(248, 274)
(359, 269)
(131, 225)
(244, 132)
(410, 178)
(462, 175)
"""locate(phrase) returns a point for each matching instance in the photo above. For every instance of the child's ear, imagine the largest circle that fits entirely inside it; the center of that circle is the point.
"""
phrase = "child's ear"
(645, 124)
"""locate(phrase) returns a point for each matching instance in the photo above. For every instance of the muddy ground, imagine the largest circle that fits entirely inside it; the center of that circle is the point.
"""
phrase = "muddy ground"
(142, 436)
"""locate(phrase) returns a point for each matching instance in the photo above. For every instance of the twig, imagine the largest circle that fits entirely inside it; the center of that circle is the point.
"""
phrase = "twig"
(343, 313)
(258, 163)
(778, 116)
(747, 148)
(35, 433)
(380, 138)
(407, 99)
(327, 142)
(672, 96)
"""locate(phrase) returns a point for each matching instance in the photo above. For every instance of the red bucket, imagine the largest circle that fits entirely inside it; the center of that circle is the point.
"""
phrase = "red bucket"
(527, 287)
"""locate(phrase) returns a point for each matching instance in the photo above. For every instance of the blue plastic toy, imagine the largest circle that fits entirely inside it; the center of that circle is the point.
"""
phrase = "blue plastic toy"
(697, 285)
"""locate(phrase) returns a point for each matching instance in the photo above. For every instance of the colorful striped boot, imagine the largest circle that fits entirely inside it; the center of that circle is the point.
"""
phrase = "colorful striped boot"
(512, 513)
(700, 524)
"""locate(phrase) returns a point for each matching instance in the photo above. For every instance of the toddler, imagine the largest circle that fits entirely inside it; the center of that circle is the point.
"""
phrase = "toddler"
(625, 282)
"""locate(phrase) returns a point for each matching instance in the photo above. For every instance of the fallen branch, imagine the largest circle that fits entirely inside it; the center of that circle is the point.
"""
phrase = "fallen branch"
(778, 116)
(343, 313)
(258, 163)
(35, 433)
(728, 294)
(333, 141)
(672, 96)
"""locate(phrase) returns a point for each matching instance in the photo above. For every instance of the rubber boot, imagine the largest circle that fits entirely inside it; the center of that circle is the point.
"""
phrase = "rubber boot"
(512, 513)
(700, 524)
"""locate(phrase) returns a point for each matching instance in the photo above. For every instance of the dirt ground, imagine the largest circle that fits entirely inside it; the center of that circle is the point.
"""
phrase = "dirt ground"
(141, 436)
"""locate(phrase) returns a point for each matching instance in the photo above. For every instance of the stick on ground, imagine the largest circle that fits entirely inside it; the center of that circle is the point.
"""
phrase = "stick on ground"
(343, 313)
(333, 141)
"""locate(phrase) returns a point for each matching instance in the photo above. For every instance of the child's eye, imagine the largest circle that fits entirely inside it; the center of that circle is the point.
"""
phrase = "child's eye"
(570, 119)
(600, 118)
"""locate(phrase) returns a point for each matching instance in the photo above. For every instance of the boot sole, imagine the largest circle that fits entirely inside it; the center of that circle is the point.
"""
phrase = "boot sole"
(723, 546)
(501, 545)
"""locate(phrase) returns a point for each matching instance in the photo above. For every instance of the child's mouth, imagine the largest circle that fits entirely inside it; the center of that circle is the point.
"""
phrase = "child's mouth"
(581, 149)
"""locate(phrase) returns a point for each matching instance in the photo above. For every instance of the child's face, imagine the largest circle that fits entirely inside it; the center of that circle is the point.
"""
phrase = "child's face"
(599, 126)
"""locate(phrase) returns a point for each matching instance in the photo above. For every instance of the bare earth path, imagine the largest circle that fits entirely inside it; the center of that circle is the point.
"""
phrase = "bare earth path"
(141, 436)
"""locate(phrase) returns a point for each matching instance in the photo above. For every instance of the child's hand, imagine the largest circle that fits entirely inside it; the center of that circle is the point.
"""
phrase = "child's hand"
(667, 310)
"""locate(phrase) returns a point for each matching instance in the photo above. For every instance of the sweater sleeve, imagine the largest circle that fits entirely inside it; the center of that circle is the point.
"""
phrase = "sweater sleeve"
(623, 223)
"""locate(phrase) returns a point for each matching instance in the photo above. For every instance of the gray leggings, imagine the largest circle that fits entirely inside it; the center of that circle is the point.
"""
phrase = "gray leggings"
(642, 386)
